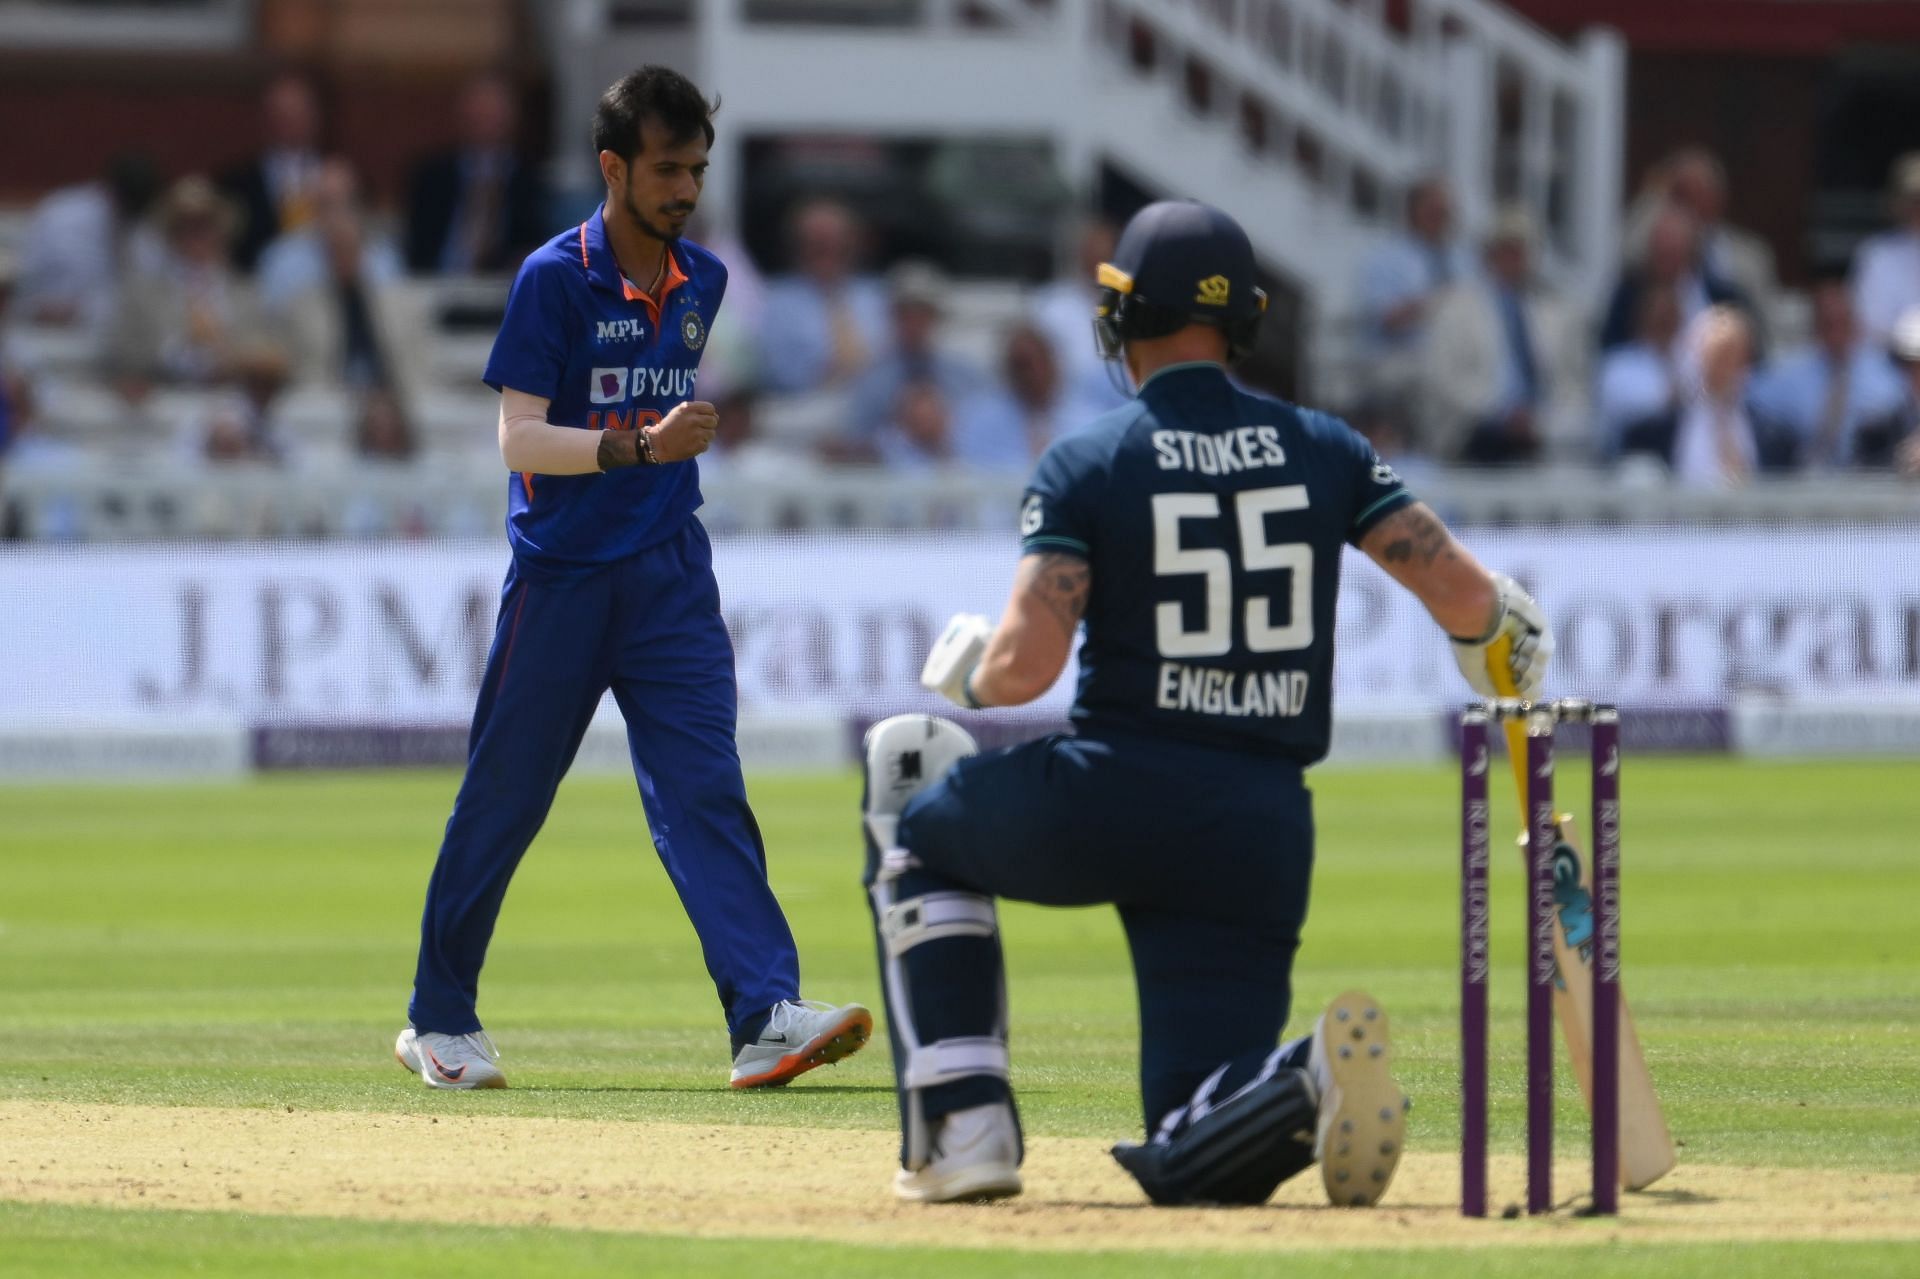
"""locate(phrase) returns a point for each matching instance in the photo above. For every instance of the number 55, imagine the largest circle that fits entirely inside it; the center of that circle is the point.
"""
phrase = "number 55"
(1171, 559)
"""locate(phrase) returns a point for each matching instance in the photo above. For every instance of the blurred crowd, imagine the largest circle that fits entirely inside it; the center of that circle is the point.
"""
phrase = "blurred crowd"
(233, 290)
(1472, 358)
(245, 287)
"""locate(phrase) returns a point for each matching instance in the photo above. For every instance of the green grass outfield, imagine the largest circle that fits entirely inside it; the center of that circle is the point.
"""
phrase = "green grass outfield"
(252, 946)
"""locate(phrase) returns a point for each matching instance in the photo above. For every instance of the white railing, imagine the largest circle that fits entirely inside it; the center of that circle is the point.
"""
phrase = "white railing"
(208, 26)
(110, 501)
(1358, 110)
(1320, 113)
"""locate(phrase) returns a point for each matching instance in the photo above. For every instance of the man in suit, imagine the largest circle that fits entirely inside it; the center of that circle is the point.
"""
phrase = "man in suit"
(1503, 374)
(1717, 439)
(1694, 179)
(1886, 270)
(1672, 260)
(477, 206)
(274, 190)
(1902, 443)
(1401, 281)
(184, 323)
(1838, 394)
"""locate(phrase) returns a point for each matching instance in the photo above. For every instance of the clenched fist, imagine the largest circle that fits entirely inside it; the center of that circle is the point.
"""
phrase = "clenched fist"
(686, 431)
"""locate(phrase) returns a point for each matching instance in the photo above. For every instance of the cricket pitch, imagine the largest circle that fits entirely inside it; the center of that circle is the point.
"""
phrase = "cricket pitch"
(457, 1166)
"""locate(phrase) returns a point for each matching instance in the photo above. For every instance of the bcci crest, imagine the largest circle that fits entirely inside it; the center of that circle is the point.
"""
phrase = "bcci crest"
(693, 331)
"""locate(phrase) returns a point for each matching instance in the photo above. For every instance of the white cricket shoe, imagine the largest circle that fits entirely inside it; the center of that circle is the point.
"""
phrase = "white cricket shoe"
(976, 1157)
(450, 1061)
(801, 1034)
(1363, 1112)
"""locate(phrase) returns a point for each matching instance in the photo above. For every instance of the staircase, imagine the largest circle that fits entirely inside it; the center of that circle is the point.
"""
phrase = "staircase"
(1305, 119)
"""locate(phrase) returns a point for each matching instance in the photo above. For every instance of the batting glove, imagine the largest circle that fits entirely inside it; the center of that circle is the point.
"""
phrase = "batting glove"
(1513, 652)
(950, 666)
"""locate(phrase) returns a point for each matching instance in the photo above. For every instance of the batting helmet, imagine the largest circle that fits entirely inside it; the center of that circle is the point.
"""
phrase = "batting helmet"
(1179, 262)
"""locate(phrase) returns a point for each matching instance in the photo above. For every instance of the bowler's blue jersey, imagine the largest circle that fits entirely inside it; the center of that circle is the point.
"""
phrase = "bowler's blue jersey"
(610, 357)
(1214, 522)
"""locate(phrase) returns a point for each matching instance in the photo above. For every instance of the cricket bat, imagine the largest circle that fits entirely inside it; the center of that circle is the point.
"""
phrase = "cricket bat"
(1646, 1147)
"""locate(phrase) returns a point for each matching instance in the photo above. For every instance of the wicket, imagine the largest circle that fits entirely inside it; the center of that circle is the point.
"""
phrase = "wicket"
(1543, 839)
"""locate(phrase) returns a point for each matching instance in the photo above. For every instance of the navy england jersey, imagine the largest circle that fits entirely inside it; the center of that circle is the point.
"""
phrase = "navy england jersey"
(609, 357)
(1213, 520)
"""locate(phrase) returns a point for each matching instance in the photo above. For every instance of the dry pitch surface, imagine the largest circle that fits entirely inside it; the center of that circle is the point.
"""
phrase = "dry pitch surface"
(708, 1180)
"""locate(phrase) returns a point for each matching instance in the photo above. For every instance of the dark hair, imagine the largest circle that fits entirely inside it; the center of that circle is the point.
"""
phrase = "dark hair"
(658, 93)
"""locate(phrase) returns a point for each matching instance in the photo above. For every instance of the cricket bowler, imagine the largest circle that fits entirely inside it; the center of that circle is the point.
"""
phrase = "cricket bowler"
(1197, 533)
(611, 586)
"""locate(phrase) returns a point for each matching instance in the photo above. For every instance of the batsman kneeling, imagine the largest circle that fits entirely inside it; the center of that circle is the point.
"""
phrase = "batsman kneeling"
(1215, 520)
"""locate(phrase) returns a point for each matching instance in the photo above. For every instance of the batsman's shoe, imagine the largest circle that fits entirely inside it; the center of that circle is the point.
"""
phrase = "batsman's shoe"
(450, 1061)
(976, 1157)
(1363, 1113)
(801, 1034)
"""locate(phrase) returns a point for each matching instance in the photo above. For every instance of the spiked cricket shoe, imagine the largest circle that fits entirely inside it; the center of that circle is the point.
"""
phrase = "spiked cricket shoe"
(450, 1061)
(1363, 1112)
(801, 1034)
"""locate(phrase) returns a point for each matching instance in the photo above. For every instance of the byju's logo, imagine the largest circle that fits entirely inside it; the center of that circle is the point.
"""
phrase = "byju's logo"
(618, 331)
(609, 386)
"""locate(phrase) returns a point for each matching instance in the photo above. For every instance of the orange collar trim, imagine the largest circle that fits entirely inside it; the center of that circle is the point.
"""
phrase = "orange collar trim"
(675, 278)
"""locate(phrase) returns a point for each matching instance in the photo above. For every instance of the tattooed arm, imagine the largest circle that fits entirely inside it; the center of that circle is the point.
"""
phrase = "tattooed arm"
(1420, 554)
(1031, 645)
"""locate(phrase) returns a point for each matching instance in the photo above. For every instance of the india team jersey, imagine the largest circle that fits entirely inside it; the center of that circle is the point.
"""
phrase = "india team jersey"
(1213, 521)
(609, 357)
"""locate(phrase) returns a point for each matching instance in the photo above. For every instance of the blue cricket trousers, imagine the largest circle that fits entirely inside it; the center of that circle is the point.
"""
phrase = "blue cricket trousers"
(1207, 853)
(649, 627)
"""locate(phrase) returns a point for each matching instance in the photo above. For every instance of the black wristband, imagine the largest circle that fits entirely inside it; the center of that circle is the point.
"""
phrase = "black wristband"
(644, 447)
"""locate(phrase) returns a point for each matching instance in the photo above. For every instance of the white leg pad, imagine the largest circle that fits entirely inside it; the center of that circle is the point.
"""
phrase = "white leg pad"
(936, 915)
(905, 755)
(948, 1060)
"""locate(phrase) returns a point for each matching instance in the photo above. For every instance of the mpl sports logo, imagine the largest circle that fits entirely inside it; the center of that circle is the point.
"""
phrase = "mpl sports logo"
(619, 331)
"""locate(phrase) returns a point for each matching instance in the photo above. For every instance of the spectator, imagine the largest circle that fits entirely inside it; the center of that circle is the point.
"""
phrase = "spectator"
(13, 388)
(296, 262)
(1384, 422)
(917, 293)
(1402, 279)
(1693, 179)
(1886, 271)
(1063, 315)
(1672, 261)
(384, 437)
(1039, 392)
(824, 323)
(479, 206)
(1640, 386)
(274, 190)
(728, 362)
(184, 322)
(919, 432)
(384, 434)
(350, 327)
(25, 451)
(240, 425)
(1717, 441)
(1503, 374)
(83, 240)
(1900, 447)
(1032, 408)
(1835, 392)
